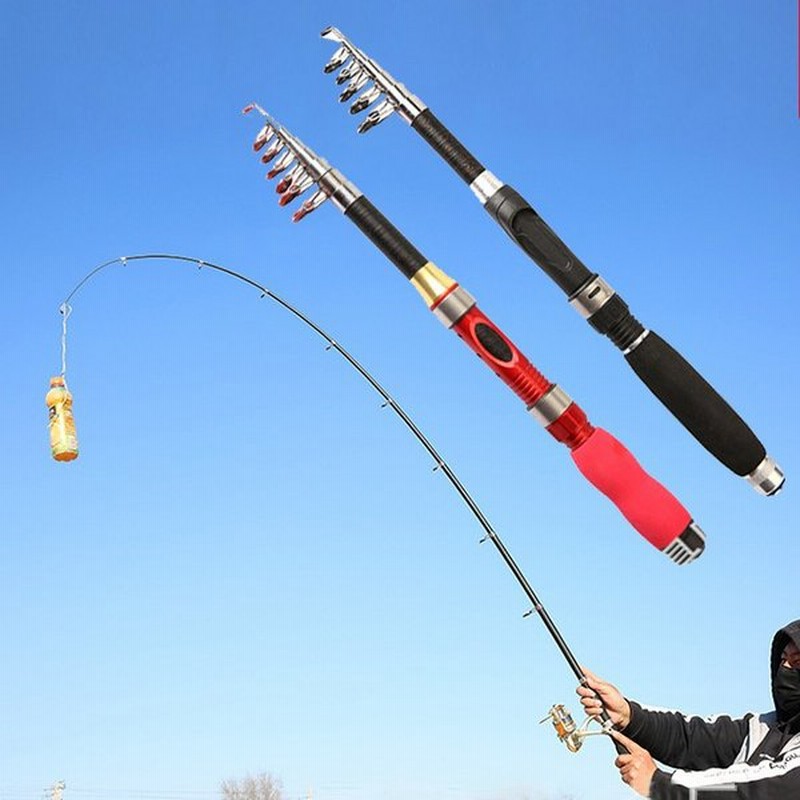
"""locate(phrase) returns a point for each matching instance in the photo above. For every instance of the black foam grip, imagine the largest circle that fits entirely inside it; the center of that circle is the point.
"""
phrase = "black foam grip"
(537, 239)
(702, 411)
(447, 146)
(389, 240)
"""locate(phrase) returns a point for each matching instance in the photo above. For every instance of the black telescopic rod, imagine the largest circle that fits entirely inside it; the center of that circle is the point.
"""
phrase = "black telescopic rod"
(389, 402)
(668, 375)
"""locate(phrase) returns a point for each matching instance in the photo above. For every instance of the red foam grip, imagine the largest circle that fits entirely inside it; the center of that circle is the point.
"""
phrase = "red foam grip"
(644, 502)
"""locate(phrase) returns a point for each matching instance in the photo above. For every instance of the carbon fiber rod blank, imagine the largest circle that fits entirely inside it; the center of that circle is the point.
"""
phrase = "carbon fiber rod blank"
(603, 461)
(668, 375)
(389, 401)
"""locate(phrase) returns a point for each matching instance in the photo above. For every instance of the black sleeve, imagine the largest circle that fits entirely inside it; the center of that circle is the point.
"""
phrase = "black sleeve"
(662, 788)
(690, 743)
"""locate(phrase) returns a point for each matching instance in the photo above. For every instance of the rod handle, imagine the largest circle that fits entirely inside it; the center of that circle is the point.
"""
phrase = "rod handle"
(649, 507)
(496, 350)
(700, 409)
(679, 386)
(539, 241)
(671, 378)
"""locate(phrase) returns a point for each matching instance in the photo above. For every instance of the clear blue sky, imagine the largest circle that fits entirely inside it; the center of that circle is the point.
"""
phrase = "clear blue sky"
(251, 566)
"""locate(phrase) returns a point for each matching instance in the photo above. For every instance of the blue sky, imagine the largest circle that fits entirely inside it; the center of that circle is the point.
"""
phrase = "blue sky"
(251, 566)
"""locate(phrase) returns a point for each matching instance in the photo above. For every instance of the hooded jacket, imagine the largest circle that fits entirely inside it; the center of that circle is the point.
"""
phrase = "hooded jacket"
(756, 757)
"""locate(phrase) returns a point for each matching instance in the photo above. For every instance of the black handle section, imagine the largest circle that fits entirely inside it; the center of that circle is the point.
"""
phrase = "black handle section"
(619, 747)
(675, 382)
(540, 242)
(388, 239)
(537, 239)
(698, 406)
(447, 146)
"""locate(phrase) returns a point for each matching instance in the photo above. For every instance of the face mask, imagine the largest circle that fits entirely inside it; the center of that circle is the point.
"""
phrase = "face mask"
(786, 693)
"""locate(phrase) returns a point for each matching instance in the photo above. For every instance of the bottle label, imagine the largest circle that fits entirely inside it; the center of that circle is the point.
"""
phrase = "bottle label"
(63, 438)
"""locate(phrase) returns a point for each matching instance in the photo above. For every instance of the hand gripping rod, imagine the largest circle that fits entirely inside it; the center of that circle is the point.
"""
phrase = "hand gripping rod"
(603, 460)
(671, 378)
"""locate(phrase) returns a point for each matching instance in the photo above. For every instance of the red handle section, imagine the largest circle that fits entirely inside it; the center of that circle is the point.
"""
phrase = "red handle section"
(572, 428)
(605, 462)
(512, 367)
(644, 502)
(504, 358)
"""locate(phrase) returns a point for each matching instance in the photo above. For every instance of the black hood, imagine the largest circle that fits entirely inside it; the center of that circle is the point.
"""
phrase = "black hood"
(789, 633)
(785, 688)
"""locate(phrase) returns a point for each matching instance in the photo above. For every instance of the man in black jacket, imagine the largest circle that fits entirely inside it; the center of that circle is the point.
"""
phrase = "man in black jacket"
(756, 757)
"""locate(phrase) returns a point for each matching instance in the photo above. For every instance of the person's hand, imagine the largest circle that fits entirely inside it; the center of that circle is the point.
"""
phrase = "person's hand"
(599, 695)
(636, 767)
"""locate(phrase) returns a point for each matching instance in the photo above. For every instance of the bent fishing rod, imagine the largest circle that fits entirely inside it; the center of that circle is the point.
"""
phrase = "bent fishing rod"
(668, 375)
(562, 721)
(602, 460)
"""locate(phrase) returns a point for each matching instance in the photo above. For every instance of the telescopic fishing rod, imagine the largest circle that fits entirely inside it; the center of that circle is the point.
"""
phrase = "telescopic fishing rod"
(602, 460)
(668, 375)
(565, 727)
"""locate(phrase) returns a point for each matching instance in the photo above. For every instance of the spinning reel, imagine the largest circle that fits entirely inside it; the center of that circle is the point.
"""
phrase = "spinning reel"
(566, 729)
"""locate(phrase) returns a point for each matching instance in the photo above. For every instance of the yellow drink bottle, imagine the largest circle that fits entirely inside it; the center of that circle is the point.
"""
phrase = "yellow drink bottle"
(63, 439)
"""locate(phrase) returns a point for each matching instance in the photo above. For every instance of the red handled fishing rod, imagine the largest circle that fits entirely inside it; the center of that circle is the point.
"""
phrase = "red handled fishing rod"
(671, 378)
(603, 460)
(565, 727)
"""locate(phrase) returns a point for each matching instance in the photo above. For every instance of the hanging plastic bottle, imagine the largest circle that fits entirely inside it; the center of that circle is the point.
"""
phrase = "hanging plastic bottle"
(63, 438)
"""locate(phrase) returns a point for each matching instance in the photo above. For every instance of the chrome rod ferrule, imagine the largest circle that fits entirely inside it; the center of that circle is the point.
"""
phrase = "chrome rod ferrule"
(485, 186)
(453, 306)
(550, 406)
(592, 297)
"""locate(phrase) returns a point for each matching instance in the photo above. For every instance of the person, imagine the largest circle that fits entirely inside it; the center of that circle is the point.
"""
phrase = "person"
(756, 757)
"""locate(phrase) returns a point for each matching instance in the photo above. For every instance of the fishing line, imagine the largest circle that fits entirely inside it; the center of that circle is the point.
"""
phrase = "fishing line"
(65, 310)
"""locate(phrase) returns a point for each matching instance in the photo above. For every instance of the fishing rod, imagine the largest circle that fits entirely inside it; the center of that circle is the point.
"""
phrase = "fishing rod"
(602, 460)
(562, 721)
(668, 375)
